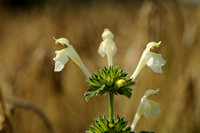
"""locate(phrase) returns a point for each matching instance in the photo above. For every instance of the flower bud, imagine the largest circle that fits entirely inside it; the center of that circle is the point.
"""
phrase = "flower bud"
(120, 83)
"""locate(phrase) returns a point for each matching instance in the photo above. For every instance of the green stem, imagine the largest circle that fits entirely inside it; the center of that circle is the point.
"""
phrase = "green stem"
(111, 106)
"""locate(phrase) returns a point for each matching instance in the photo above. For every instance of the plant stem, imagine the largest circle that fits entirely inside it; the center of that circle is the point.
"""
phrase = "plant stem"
(111, 106)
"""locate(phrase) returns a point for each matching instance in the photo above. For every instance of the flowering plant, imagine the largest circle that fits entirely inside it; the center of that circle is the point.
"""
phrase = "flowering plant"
(111, 81)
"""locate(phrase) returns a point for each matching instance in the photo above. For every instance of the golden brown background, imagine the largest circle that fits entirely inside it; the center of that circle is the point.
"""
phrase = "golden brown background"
(27, 49)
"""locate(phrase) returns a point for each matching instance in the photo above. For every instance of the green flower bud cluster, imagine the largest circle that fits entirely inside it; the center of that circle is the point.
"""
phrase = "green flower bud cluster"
(109, 80)
(103, 125)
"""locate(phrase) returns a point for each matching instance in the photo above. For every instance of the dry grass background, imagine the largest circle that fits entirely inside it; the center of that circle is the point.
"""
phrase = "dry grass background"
(27, 49)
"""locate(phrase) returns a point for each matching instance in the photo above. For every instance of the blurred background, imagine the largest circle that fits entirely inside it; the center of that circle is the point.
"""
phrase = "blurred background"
(27, 50)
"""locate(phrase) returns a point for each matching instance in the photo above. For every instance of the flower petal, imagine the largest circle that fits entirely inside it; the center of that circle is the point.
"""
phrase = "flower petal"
(151, 107)
(154, 107)
(107, 34)
(155, 62)
(101, 50)
(109, 47)
(60, 60)
(58, 66)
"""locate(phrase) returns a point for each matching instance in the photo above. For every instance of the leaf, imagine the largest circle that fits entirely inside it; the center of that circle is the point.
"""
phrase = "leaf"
(93, 92)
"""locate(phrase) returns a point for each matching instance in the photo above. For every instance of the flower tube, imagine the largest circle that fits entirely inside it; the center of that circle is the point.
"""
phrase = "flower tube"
(146, 107)
(62, 57)
(153, 60)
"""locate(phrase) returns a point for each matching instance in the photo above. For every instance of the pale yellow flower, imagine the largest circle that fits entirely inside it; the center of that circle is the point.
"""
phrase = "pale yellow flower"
(146, 107)
(153, 60)
(107, 46)
(62, 57)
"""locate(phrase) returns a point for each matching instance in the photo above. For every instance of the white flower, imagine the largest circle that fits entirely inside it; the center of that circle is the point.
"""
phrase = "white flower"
(146, 107)
(153, 60)
(107, 46)
(62, 57)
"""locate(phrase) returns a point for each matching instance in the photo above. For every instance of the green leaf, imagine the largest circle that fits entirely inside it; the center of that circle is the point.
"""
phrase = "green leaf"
(92, 92)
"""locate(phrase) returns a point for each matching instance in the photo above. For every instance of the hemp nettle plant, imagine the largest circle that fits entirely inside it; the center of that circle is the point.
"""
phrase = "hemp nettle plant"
(112, 81)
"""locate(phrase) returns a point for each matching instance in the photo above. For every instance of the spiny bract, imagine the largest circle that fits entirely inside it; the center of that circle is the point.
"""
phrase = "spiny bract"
(109, 80)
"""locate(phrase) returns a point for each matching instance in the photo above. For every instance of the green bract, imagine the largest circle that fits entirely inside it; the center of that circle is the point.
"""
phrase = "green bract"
(102, 125)
(109, 80)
